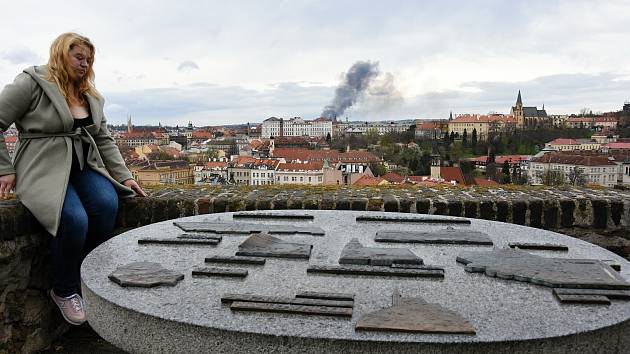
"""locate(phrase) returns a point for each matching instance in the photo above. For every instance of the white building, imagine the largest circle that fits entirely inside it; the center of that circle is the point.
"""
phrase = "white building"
(564, 144)
(596, 169)
(251, 171)
(296, 127)
(312, 173)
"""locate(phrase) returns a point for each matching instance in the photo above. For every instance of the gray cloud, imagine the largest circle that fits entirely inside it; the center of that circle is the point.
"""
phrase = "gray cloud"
(188, 65)
(212, 104)
(561, 94)
(20, 56)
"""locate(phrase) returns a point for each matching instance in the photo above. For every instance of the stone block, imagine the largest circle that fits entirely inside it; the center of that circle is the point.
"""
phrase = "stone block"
(236, 204)
(405, 204)
(441, 208)
(486, 210)
(250, 201)
(423, 206)
(295, 203)
(264, 203)
(455, 208)
(327, 202)
(390, 203)
(536, 213)
(280, 202)
(503, 211)
(311, 203)
(550, 214)
(471, 208)
(173, 208)
(158, 210)
(203, 206)
(616, 211)
(601, 210)
(567, 208)
(375, 204)
(219, 204)
(519, 211)
(343, 203)
(359, 204)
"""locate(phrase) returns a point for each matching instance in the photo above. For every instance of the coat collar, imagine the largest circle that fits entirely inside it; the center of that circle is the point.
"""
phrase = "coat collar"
(39, 73)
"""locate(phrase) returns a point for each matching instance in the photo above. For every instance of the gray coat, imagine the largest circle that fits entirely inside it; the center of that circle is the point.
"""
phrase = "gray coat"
(43, 155)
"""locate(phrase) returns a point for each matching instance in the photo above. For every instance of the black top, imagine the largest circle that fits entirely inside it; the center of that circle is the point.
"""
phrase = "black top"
(79, 123)
(82, 122)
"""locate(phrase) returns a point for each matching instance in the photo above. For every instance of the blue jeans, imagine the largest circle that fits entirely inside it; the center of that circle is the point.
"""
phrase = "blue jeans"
(87, 220)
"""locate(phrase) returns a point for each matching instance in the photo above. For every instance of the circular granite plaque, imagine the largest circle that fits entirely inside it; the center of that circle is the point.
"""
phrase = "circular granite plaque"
(354, 282)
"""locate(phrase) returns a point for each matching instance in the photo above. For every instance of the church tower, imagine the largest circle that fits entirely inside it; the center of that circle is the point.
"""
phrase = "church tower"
(517, 112)
(129, 125)
(436, 165)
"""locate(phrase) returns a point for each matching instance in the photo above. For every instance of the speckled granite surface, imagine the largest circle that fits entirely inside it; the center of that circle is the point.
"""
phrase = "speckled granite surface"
(508, 315)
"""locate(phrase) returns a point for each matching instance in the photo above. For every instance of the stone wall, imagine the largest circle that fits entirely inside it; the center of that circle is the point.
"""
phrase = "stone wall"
(29, 320)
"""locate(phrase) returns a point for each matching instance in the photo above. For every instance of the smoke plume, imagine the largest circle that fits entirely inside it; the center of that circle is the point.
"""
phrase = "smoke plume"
(354, 84)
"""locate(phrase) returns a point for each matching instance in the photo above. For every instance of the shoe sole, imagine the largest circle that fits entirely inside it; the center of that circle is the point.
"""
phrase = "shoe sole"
(52, 296)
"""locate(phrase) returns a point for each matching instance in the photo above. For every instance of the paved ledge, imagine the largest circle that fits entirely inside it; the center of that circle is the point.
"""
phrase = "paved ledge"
(30, 322)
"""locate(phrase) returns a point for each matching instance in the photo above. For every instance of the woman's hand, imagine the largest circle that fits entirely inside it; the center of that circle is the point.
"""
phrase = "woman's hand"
(135, 186)
(7, 184)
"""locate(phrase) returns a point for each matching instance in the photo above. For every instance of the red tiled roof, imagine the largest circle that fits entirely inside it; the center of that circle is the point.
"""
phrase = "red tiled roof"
(574, 159)
(216, 164)
(453, 174)
(140, 135)
(502, 158)
(366, 180)
(485, 182)
(311, 166)
(563, 141)
(393, 177)
(618, 145)
(477, 118)
(255, 144)
(416, 179)
(201, 134)
(296, 154)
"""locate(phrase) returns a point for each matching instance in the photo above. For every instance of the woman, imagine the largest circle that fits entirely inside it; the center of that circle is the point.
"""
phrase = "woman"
(66, 168)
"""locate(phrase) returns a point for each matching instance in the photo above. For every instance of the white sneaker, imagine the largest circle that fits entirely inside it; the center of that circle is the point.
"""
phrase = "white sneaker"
(71, 307)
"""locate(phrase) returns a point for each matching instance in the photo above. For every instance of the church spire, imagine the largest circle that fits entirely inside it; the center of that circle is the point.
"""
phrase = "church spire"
(450, 116)
(519, 101)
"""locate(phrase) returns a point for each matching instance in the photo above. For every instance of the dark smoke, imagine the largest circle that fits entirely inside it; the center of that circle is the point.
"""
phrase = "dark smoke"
(355, 82)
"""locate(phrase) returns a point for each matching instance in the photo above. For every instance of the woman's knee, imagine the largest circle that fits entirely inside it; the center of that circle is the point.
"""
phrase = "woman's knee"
(107, 204)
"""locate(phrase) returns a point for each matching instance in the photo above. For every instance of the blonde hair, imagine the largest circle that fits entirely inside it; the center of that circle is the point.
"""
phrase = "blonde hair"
(58, 67)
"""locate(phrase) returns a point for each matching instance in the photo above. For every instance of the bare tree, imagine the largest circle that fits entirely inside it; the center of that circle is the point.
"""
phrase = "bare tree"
(576, 177)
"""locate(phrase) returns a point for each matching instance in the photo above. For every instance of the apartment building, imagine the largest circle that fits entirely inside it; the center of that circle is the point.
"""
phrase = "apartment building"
(163, 172)
(275, 127)
(596, 169)
(564, 144)
(483, 124)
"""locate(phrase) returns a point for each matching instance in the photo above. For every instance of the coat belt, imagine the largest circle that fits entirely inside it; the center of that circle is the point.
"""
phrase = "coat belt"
(76, 137)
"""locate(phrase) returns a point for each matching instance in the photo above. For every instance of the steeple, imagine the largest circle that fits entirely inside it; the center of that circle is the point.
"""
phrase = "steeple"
(450, 116)
(519, 101)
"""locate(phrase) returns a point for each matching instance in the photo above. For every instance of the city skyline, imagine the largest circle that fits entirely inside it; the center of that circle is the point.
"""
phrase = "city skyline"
(219, 64)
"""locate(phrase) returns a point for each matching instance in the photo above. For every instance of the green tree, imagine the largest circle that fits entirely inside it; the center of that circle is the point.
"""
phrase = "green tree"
(328, 138)
(473, 139)
(378, 169)
(505, 171)
(465, 139)
(552, 177)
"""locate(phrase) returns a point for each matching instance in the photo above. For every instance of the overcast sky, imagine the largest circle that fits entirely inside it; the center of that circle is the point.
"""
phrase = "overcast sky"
(220, 62)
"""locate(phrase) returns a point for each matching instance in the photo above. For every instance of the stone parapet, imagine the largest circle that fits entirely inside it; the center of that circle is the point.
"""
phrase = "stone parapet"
(29, 320)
